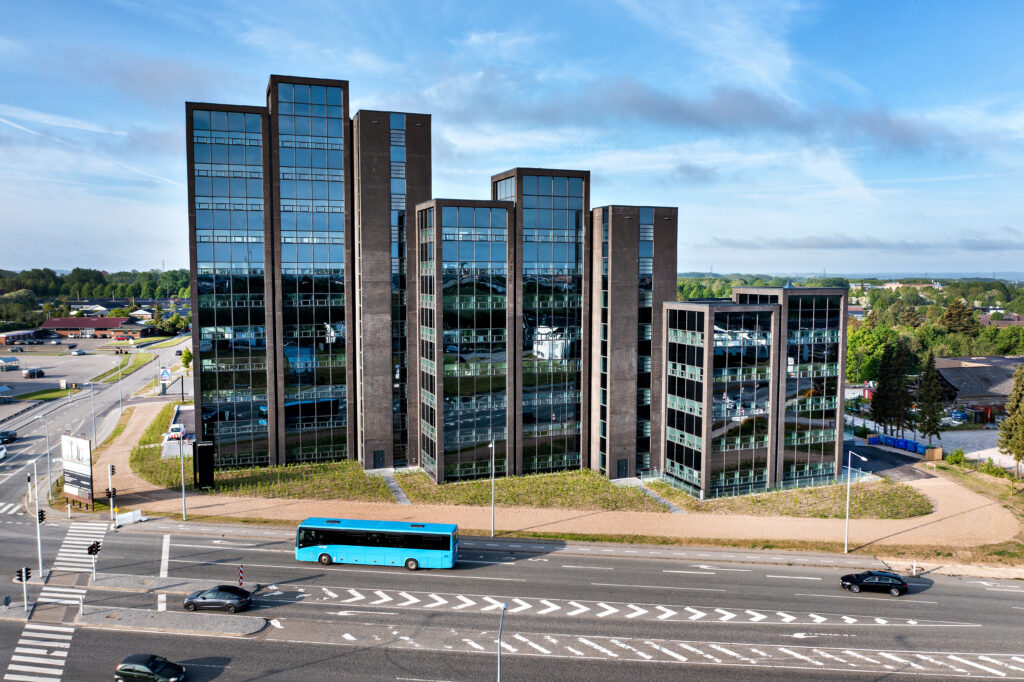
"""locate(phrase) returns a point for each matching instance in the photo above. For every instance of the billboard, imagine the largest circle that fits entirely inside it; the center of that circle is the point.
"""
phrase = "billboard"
(77, 456)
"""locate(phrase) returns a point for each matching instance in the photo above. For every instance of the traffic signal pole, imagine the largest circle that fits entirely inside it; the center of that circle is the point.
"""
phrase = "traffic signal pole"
(39, 523)
(110, 484)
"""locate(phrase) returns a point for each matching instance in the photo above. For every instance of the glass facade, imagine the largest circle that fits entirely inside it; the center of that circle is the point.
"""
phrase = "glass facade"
(645, 317)
(812, 419)
(552, 310)
(400, 395)
(311, 124)
(231, 357)
(740, 401)
(684, 398)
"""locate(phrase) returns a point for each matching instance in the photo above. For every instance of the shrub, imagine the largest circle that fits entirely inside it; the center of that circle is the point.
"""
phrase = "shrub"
(956, 457)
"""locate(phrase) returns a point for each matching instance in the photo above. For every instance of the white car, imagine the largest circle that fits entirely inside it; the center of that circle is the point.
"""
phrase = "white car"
(3, 451)
(77, 351)
(176, 432)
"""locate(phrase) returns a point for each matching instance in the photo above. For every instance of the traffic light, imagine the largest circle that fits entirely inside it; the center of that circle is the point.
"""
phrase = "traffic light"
(113, 492)
(94, 548)
(113, 469)
(107, 492)
(18, 577)
(28, 573)
(42, 516)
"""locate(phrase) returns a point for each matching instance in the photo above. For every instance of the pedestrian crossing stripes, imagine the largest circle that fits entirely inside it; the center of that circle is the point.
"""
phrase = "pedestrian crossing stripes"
(58, 594)
(72, 556)
(40, 653)
(10, 508)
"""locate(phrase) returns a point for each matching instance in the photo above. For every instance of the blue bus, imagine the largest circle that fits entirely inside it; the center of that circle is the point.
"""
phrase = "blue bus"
(381, 543)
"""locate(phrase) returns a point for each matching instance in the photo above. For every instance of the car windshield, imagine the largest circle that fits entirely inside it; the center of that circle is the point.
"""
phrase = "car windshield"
(156, 664)
(863, 576)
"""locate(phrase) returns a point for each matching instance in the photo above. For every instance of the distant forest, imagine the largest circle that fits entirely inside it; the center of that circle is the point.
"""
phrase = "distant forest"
(22, 293)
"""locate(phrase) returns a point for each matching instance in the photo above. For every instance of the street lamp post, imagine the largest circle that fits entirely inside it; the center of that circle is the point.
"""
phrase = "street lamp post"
(39, 523)
(49, 483)
(181, 457)
(120, 389)
(92, 401)
(492, 496)
(501, 622)
(849, 464)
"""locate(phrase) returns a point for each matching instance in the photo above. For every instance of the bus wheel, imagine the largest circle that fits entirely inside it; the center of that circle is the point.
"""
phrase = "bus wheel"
(325, 559)
(412, 564)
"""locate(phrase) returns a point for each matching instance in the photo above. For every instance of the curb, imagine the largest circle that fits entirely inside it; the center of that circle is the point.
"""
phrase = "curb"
(33, 404)
(111, 617)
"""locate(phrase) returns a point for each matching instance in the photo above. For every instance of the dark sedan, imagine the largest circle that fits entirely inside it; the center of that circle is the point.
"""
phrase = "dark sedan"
(8, 437)
(877, 581)
(227, 597)
(148, 667)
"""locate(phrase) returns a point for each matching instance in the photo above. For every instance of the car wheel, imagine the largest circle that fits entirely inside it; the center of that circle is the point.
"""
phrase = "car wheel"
(325, 559)
(190, 606)
(895, 592)
(230, 608)
(412, 564)
(854, 588)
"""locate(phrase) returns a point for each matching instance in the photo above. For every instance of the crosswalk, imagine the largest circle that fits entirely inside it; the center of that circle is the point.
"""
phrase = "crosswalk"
(59, 594)
(72, 556)
(10, 508)
(665, 613)
(40, 654)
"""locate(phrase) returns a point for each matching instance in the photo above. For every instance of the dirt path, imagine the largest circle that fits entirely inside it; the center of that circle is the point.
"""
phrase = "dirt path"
(132, 491)
(961, 518)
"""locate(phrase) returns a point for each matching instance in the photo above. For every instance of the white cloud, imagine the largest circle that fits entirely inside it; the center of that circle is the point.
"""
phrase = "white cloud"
(742, 40)
(43, 118)
(504, 44)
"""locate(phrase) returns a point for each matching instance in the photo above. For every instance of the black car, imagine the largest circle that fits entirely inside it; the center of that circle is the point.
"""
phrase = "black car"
(16, 349)
(227, 597)
(878, 581)
(148, 667)
(8, 437)
(177, 352)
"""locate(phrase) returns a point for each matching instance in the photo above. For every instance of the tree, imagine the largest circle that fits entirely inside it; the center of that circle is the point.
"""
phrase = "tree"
(929, 401)
(902, 417)
(186, 358)
(959, 318)
(1011, 431)
(882, 400)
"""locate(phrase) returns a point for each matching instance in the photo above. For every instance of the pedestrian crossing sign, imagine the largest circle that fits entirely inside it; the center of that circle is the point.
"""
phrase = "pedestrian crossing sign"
(165, 374)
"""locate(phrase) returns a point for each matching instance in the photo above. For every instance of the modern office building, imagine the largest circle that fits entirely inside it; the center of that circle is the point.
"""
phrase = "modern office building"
(753, 394)
(341, 312)
(633, 260)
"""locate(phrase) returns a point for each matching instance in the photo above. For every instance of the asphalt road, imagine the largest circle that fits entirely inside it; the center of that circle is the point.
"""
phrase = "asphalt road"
(574, 612)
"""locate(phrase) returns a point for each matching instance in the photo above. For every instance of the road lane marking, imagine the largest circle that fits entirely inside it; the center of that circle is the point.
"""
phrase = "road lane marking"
(661, 587)
(594, 568)
(669, 652)
(473, 644)
(848, 596)
(800, 656)
(690, 572)
(165, 555)
(993, 671)
(600, 648)
(161, 602)
(793, 577)
(536, 646)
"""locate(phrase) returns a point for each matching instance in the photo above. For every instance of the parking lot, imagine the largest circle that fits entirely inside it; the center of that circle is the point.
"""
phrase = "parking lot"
(57, 363)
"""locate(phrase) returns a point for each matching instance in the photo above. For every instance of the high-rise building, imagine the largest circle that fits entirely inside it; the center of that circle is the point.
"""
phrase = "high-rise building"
(392, 172)
(753, 393)
(634, 264)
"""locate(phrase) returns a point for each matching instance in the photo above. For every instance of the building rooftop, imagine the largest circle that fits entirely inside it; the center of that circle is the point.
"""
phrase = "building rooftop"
(980, 377)
(84, 322)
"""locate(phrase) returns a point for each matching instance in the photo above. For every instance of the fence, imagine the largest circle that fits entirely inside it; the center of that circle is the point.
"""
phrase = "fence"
(129, 517)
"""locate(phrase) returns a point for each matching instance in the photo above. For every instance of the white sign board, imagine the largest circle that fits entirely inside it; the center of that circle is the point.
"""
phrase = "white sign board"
(77, 458)
(165, 374)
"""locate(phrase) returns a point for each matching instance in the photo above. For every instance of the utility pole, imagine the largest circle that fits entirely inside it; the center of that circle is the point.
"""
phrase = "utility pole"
(181, 457)
(49, 483)
(39, 533)
(110, 485)
(492, 496)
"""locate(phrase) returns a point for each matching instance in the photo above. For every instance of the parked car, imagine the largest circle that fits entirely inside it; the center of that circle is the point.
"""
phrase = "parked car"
(176, 432)
(3, 452)
(77, 352)
(33, 373)
(121, 338)
(227, 597)
(55, 342)
(177, 352)
(72, 345)
(877, 581)
(8, 437)
(16, 349)
(72, 336)
(148, 667)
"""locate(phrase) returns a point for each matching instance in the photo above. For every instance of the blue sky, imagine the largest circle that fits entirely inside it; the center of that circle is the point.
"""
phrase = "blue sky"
(794, 136)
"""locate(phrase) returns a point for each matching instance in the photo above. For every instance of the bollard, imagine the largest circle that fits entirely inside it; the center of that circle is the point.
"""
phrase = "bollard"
(81, 604)
(913, 570)
(69, 511)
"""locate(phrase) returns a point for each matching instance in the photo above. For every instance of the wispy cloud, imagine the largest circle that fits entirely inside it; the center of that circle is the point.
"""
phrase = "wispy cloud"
(504, 44)
(1005, 239)
(742, 41)
(43, 118)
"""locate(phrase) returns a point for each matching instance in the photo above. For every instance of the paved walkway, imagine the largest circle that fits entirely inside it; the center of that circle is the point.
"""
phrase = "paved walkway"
(960, 519)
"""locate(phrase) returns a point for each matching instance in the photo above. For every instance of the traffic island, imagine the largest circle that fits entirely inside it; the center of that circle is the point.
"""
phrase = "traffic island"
(112, 617)
(149, 583)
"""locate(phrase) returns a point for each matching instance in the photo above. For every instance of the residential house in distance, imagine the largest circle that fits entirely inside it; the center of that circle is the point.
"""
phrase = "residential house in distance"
(979, 385)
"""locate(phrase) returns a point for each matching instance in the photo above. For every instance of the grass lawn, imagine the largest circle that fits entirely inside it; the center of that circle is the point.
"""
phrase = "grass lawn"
(876, 500)
(47, 394)
(322, 481)
(568, 490)
(138, 360)
(145, 459)
(168, 341)
(58, 503)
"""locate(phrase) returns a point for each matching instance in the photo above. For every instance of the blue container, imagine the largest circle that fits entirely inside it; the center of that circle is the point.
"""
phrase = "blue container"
(889, 440)
(901, 444)
(872, 440)
(921, 449)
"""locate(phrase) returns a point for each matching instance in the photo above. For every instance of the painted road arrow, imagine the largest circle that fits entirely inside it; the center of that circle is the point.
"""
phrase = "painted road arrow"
(409, 599)
(522, 606)
(785, 616)
(850, 620)
(668, 612)
(817, 618)
(495, 604)
(438, 601)
(726, 615)
(384, 597)
(608, 610)
(356, 596)
(550, 607)
(755, 616)
(696, 614)
(466, 601)
(637, 611)
(580, 608)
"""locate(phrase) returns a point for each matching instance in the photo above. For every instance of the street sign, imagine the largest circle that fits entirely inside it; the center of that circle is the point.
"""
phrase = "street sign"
(165, 374)
(76, 454)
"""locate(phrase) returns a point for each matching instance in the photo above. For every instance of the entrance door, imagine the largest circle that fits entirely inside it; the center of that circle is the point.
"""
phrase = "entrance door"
(378, 459)
(623, 468)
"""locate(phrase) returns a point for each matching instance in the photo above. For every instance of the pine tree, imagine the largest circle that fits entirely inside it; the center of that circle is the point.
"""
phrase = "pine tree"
(881, 401)
(900, 387)
(1011, 431)
(929, 401)
(959, 317)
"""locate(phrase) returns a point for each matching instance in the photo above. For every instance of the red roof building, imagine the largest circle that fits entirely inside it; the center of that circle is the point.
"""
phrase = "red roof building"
(99, 327)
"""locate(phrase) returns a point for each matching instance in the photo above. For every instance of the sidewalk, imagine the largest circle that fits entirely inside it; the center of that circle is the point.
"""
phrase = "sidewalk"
(961, 518)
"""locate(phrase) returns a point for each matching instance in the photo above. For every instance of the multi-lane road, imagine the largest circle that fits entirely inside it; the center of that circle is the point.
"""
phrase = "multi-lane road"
(573, 611)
